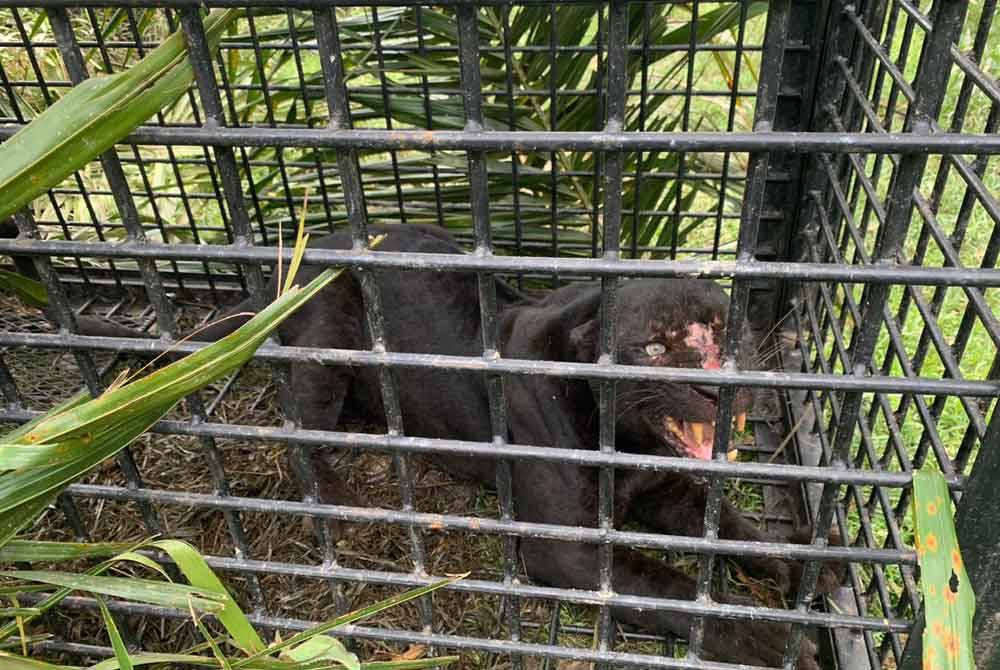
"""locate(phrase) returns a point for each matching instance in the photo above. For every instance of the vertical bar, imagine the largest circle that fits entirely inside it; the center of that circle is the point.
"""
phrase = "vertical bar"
(617, 77)
(66, 41)
(335, 86)
(515, 165)
(772, 60)
(234, 117)
(60, 311)
(77, 69)
(201, 61)
(47, 96)
(931, 86)
(554, 125)
(468, 52)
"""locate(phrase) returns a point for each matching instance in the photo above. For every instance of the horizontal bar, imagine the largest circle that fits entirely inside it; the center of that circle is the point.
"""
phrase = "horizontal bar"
(363, 46)
(502, 140)
(563, 369)
(445, 641)
(820, 272)
(301, 4)
(453, 522)
(777, 472)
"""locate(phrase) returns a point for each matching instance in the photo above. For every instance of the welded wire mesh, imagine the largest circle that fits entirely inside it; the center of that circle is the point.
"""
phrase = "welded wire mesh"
(831, 163)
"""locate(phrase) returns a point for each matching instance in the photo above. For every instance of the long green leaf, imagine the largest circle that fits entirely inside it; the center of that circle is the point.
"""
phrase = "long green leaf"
(93, 116)
(15, 662)
(199, 574)
(128, 588)
(949, 601)
(19, 611)
(54, 598)
(21, 456)
(39, 551)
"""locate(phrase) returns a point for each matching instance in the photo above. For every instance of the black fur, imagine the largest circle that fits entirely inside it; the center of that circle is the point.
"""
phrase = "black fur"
(428, 312)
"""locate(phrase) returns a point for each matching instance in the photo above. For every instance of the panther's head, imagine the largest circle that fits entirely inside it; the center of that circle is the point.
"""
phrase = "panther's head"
(669, 323)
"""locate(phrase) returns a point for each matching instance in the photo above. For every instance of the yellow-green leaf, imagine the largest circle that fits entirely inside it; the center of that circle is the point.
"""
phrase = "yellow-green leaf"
(949, 601)
(21, 456)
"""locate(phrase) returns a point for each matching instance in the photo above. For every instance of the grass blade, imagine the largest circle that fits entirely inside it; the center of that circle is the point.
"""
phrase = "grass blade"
(19, 611)
(117, 643)
(39, 551)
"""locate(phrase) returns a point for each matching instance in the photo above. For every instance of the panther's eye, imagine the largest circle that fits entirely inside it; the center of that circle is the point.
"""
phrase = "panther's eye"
(655, 349)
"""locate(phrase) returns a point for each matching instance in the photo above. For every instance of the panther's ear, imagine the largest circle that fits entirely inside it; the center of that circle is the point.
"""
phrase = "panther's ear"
(583, 340)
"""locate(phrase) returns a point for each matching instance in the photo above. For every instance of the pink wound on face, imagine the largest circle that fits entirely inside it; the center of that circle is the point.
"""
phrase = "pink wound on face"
(701, 339)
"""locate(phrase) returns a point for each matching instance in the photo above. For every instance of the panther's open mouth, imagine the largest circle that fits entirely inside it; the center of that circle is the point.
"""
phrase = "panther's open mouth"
(697, 437)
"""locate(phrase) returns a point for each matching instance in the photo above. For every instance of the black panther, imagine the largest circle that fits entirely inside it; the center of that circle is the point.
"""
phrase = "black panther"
(662, 322)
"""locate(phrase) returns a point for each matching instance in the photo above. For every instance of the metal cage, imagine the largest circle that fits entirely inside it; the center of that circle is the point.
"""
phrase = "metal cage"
(840, 182)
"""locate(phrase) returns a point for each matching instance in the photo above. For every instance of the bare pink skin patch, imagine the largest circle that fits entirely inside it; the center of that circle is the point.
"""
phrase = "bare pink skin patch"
(701, 338)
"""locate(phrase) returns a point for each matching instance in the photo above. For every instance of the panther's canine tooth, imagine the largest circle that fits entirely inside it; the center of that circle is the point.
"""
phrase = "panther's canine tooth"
(741, 421)
(732, 455)
(698, 430)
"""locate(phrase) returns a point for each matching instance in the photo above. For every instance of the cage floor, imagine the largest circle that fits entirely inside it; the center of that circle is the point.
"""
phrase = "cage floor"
(261, 470)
